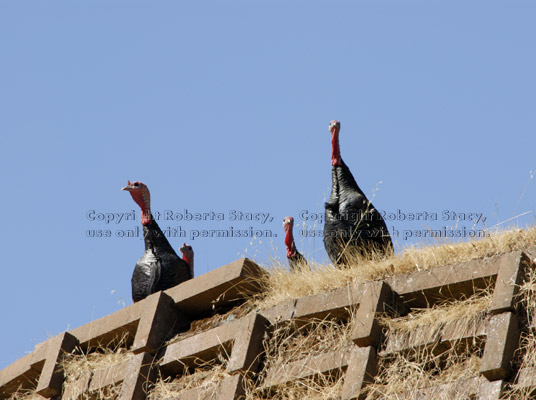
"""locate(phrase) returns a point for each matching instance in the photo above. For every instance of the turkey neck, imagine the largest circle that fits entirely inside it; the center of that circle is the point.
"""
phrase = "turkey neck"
(154, 237)
(289, 242)
(152, 234)
(335, 149)
(144, 201)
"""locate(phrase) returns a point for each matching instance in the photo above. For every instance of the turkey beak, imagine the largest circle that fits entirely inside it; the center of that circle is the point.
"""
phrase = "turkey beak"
(127, 188)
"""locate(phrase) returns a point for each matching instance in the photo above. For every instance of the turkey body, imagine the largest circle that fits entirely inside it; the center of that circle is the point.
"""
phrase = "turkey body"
(159, 268)
(352, 224)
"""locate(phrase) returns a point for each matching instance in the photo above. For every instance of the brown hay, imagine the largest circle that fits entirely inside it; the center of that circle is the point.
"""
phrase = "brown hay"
(420, 360)
(207, 376)
(405, 372)
(293, 342)
(85, 363)
(526, 353)
(318, 388)
(527, 293)
(303, 340)
(281, 285)
(76, 366)
(25, 395)
(429, 324)
(213, 321)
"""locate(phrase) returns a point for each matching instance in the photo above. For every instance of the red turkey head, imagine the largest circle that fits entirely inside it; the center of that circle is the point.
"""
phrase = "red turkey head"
(187, 252)
(288, 223)
(334, 126)
(140, 194)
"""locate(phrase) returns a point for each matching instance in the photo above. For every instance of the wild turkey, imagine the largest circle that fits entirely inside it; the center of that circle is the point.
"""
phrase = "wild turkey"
(159, 268)
(352, 225)
(188, 256)
(295, 259)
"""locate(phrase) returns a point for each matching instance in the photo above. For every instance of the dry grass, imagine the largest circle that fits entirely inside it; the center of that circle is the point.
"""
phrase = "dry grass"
(405, 373)
(206, 376)
(318, 388)
(527, 292)
(25, 395)
(427, 325)
(292, 342)
(527, 355)
(415, 358)
(289, 342)
(82, 364)
(79, 365)
(282, 285)
(526, 352)
(212, 321)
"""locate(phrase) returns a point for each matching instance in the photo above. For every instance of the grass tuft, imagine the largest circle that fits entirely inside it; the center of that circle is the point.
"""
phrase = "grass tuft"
(404, 374)
(526, 353)
(82, 364)
(205, 376)
(281, 285)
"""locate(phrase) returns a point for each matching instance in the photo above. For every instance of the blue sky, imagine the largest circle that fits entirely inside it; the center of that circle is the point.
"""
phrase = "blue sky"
(221, 107)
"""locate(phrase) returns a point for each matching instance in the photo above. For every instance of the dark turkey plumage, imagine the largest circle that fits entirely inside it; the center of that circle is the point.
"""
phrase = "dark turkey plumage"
(146, 276)
(296, 261)
(352, 224)
(159, 268)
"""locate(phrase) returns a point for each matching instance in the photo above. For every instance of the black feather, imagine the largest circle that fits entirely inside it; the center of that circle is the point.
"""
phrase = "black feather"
(352, 224)
(295, 261)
